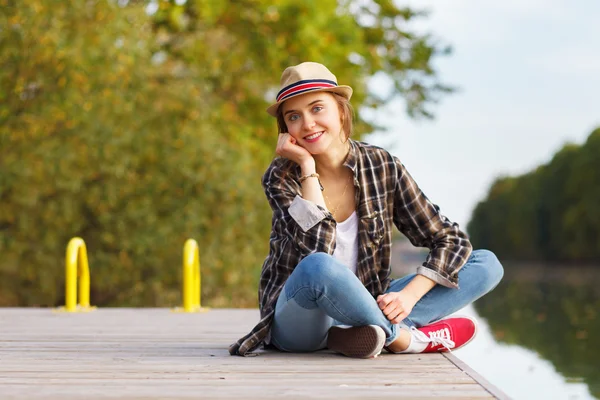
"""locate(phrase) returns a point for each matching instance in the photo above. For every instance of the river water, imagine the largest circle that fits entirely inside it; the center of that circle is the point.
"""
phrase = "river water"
(538, 333)
(539, 329)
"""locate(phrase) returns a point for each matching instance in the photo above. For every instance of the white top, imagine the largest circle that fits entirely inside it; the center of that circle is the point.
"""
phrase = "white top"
(307, 214)
(346, 242)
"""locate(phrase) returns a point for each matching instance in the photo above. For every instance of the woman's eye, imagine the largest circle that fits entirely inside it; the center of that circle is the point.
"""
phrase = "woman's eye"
(292, 118)
(317, 108)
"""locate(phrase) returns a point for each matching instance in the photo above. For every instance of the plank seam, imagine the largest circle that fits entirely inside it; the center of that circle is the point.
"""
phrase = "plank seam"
(487, 385)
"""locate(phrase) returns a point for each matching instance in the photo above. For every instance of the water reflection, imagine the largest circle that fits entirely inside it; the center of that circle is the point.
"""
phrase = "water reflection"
(553, 314)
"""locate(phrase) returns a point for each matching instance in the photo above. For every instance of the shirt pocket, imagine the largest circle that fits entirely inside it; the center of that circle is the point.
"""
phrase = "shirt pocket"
(373, 229)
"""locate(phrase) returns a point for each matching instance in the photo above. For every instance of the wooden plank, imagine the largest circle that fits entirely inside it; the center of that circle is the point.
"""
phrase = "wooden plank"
(155, 353)
(176, 392)
(492, 389)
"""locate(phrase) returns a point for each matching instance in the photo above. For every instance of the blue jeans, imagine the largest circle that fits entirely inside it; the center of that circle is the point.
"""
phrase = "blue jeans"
(322, 292)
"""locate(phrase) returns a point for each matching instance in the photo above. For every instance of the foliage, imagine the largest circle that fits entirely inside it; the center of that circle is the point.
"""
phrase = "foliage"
(137, 130)
(549, 214)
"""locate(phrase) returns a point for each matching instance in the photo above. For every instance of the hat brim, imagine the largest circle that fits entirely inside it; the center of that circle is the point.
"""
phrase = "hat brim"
(345, 91)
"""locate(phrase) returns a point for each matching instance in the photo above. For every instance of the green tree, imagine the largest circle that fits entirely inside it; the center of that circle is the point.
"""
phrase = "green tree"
(136, 131)
(549, 214)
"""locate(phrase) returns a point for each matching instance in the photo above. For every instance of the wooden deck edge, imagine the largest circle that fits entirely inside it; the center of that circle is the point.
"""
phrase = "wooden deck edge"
(492, 389)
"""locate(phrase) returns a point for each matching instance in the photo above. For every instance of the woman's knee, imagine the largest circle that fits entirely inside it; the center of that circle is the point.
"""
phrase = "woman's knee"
(491, 268)
(319, 266)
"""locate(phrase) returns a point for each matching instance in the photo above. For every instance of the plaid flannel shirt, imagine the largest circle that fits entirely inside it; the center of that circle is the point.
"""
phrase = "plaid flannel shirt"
(385, 194)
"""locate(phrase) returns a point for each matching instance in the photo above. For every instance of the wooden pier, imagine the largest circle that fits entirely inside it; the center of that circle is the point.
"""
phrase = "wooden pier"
(146, 353)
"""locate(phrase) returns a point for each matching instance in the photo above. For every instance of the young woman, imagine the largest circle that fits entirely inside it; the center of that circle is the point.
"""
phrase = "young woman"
(326, 281)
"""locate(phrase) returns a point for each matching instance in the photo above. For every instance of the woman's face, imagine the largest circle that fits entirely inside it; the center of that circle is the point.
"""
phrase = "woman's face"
(313, 119)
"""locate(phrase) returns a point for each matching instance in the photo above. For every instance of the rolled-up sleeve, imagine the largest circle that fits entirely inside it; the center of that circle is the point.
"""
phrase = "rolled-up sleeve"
(306, 213)
(422, 223)
(310, 227)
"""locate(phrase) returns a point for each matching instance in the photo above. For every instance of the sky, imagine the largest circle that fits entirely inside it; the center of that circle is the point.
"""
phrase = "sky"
(528, 74)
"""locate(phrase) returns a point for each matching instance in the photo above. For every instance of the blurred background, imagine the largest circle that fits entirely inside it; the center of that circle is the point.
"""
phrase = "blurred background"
(138, 124)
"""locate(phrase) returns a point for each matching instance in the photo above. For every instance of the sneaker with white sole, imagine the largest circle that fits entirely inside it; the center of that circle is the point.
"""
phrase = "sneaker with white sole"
(356, 341)
(446, 334)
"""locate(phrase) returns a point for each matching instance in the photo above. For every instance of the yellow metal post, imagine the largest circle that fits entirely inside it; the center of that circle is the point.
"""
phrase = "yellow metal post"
(191, 278)
(76, 265)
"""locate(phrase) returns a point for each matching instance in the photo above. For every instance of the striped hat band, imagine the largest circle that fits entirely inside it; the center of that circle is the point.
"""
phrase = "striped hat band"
(304, 86)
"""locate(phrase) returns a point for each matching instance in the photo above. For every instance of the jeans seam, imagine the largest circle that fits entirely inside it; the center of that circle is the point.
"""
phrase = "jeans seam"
(321, 293)
(337, 309)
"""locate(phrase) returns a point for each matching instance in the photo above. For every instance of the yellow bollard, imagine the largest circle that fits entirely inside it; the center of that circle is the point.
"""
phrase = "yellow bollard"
(76, 265)
(191, 278)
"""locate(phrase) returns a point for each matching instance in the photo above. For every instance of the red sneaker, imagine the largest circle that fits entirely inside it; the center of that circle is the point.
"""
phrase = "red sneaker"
(446, 334)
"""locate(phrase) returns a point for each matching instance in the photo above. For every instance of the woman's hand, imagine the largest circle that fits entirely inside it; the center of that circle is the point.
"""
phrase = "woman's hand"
(288, 148)
(397, 305)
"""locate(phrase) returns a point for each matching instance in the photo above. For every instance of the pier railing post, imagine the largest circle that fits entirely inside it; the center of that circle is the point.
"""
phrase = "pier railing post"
(192, 282)
(76, 266)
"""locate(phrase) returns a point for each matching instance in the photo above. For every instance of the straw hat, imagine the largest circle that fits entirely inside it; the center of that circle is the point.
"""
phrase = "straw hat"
(304, 78)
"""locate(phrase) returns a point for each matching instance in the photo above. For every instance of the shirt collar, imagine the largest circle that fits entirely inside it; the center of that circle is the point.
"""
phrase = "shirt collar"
(352, 157)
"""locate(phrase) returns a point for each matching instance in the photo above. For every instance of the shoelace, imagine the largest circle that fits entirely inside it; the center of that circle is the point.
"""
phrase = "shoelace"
(439, 337)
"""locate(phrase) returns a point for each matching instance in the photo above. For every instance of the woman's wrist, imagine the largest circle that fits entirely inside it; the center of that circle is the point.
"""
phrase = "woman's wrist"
(419, 286)
(305, 177)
